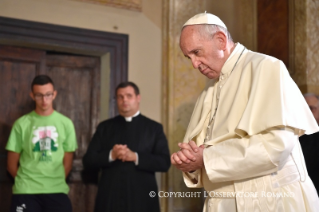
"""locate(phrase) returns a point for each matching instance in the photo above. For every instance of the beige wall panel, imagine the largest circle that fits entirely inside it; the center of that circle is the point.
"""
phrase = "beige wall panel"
(182, 85)
(306, 49)
(300, 44)
(313, 46)
(153, 10)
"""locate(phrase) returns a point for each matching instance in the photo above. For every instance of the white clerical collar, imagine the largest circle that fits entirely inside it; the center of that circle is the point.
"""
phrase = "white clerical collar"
(129, 119)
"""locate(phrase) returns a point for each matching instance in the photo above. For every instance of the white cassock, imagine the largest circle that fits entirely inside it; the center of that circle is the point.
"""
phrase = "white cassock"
(252, 147)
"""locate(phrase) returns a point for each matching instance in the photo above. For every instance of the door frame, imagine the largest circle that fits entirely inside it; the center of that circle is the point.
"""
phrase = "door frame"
(21, 33)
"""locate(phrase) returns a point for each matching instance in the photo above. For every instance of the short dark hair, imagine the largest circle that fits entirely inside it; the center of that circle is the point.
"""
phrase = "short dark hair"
(126, 84)
(41, 80)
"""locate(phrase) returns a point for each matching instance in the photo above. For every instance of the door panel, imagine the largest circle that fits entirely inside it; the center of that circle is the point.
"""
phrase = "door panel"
(18, 67)
(14, 97)
(76, 79)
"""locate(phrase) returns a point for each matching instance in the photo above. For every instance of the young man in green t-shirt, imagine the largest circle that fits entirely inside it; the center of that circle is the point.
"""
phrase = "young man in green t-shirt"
(40, 153)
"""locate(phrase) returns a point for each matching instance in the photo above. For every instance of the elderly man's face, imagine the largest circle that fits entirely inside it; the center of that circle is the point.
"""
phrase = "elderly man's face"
(206, 54)
(313, 103)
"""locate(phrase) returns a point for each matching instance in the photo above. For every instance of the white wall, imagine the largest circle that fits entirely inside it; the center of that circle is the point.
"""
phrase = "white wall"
(143, 28)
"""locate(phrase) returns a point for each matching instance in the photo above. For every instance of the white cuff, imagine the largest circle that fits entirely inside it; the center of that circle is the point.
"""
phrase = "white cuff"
(110, 156)
(136, 162)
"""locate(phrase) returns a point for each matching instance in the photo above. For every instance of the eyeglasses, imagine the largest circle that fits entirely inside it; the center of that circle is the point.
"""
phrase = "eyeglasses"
(39, 96)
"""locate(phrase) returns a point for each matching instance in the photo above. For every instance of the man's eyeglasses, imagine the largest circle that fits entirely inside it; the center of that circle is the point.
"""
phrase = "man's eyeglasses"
(41, 96)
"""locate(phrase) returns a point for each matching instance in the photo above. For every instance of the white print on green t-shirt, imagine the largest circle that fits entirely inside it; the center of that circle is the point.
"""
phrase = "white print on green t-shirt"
(45, 141)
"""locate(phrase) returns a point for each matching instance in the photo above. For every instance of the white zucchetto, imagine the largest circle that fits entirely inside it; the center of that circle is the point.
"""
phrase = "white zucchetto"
(205, 18)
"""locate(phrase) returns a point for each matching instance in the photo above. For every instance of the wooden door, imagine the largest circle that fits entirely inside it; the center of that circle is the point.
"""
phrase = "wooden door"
(76, 79)
(18, 67)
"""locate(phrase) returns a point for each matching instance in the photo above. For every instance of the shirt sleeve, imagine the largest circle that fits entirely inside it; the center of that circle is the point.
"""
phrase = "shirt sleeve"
(157, 160)
(136, 162)
(110, 156)
(96, 157)
(251, 156)
(70, 143)
(15, 139)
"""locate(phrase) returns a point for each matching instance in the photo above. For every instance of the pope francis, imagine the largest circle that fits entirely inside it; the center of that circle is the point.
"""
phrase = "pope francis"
(242, 144)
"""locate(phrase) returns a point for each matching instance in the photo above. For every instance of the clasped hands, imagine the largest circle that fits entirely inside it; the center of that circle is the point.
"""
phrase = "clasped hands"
(123, 153)
(189, 158)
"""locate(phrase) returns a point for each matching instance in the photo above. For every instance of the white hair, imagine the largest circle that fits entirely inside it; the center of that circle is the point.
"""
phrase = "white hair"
(209, 30)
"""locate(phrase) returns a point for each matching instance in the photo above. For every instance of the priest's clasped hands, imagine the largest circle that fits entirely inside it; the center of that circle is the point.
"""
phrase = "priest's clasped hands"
(189, 158)
(123, 153)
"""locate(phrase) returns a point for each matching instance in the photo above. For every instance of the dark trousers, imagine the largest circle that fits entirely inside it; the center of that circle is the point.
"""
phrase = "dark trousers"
(40, 203)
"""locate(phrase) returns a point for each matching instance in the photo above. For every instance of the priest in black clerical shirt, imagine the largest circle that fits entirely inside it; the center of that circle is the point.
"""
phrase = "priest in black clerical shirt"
(128, 149)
